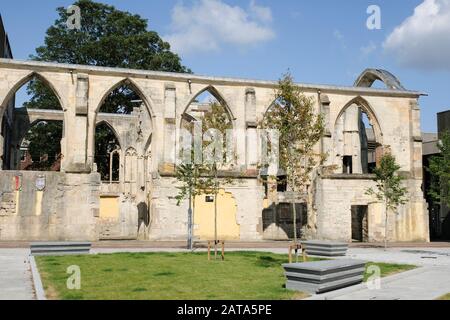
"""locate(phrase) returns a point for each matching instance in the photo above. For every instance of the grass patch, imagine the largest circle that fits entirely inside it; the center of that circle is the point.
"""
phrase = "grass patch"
(178, 276)
(445, 297)
(387, 269)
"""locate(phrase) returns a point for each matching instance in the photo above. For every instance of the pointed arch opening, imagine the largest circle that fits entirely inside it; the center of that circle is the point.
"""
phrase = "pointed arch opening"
(358, 138)
(379, 79)
(210, 113)
(129, 110)
(122, 99)
(201, 103)
(33, 126)
(107, 152)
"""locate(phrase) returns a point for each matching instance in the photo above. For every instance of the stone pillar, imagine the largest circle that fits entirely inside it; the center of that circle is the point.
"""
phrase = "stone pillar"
(327, 140)
(76, 130)
(416, 156)
(251, 143)
(170, 136)
(352, 143)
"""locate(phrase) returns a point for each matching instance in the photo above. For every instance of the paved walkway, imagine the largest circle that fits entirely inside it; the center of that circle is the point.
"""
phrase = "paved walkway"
(15, 275)
(425, 283)
(428, 282)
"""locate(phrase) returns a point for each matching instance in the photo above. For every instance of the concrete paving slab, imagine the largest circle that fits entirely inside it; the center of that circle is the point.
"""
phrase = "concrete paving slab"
(15, 275)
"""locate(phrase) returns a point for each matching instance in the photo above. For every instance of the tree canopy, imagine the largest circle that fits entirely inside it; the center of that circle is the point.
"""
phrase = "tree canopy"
(108, 37)
(300, 129)
(389, 188)
(440, 170)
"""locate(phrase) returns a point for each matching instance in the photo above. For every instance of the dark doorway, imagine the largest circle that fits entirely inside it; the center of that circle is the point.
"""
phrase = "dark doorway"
(347, 165)
(360, 225)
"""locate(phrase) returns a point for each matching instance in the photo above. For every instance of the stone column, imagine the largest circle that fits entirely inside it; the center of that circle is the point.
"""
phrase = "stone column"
(351, 137)
(251, 143)
(327, 140)
(170, 132)
(76, 129)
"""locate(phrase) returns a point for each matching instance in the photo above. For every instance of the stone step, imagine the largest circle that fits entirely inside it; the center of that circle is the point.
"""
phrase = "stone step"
(59, 248)
(322, 276)
(325, 248)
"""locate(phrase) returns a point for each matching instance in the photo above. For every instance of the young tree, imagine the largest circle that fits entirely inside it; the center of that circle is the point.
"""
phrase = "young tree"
(203, 178)
(389, 187)
(215, 124)
(440, 170)
(192, 184)
(300, 128)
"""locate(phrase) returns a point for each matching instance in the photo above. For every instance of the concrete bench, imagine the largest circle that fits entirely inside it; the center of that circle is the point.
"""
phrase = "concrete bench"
(59, 248)
(325, 248)
(323, 276)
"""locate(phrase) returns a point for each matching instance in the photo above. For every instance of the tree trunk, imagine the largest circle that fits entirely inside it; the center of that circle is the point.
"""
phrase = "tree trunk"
(294, 212)
(190, 244)
(216, 192)
(385, 224)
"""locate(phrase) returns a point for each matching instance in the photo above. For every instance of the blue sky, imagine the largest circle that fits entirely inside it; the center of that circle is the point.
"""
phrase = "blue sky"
(322, 41)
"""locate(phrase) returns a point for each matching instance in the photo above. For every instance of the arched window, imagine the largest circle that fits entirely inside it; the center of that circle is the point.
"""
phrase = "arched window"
(121, 100)
(209, 111)
(356, 139)
(35, 143)
(125, 108)
(107, 155)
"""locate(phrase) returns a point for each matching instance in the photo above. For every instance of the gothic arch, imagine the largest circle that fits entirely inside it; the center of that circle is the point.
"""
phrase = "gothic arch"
(216, 94)
(369, 76)
(148, 103)
(113, 130)
(19, 84)
(130, 82)
(366, 107)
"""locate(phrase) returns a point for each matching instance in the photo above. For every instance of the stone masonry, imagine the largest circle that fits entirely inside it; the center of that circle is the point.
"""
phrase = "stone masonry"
(72, 202)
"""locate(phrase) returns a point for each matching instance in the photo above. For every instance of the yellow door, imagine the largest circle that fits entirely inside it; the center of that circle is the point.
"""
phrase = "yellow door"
(109, 208)
(227, 226)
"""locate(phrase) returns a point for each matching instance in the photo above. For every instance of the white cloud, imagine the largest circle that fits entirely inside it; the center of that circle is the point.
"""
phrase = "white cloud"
(207, 25)
(422, 41)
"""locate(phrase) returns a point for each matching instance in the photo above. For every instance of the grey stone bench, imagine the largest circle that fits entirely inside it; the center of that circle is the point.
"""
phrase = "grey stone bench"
(325, 248)
(323, 276)
(59, 248)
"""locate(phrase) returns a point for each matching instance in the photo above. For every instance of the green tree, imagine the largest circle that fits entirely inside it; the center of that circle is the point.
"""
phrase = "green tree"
(300, 129)
(389, 187)
(44, 152)
(203, 178)
(440, 171)
(108, 38)
(190, 177)
(218, 120)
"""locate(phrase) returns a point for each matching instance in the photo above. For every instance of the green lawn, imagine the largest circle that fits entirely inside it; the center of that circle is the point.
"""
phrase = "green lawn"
(178, 276)
(446, 297)
(389, 269)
